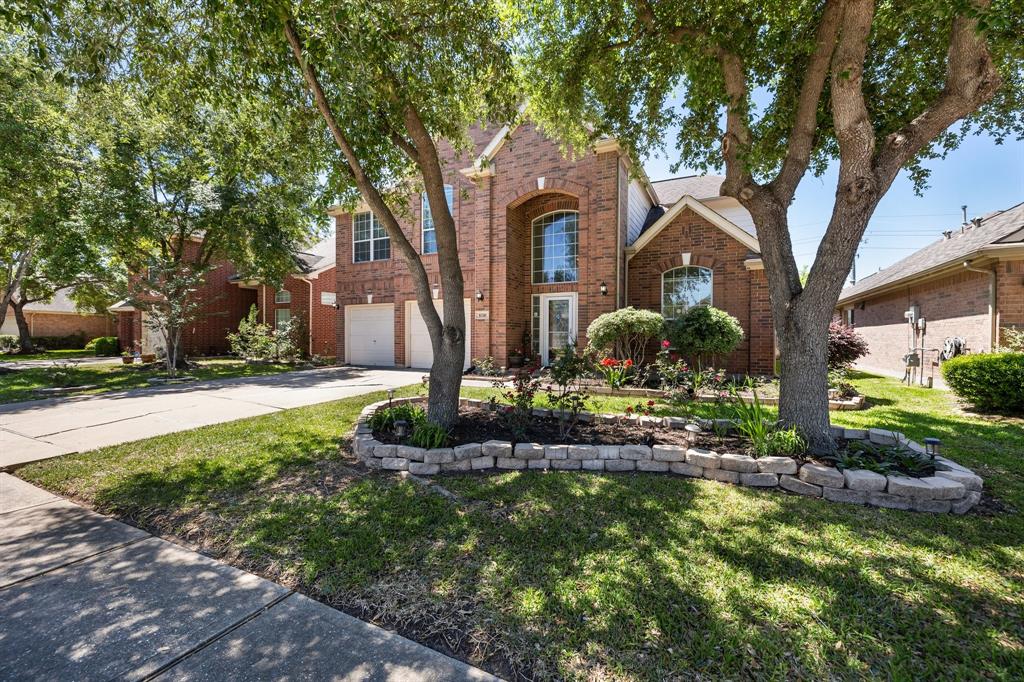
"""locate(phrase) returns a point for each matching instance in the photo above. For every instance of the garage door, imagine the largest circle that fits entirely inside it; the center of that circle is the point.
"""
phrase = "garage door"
(421, 353)
(370, 334)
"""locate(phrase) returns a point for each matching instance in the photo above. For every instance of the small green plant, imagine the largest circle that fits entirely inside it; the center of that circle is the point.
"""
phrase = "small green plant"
(882, 459)
(838, 379)
(384, 418)
(784, 442)
(8, 343)
(486, 367)
(568, 397)
(751, 418)
(103, 345)
(428, 435)
(63, 374)
(615, 372)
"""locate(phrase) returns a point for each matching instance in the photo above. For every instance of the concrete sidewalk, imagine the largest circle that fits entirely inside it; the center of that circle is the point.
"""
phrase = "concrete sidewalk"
(85, 597)
(40, 429)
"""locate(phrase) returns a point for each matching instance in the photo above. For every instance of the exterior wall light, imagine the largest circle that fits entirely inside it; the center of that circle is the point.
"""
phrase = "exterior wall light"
(479, 295)
(604, 289)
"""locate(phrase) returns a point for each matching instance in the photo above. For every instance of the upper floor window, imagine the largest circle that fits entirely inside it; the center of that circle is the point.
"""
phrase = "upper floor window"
(683, 288)
(429, 233)
(283, 296)
(369, 240)
(555, 247)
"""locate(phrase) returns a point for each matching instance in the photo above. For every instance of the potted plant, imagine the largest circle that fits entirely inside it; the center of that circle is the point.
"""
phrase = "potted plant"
(148, 358)
(516, 358)
(127, 358)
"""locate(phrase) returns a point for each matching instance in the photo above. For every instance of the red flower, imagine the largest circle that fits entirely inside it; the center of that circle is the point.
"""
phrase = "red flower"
(666, 343)
(650, 403)
(628, 363)
(629, 410)
(609, 362)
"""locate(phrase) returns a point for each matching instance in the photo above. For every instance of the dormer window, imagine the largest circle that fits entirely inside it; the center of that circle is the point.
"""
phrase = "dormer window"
(429, 244)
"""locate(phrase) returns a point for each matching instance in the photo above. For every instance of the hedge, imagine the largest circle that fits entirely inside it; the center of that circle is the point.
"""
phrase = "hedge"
(69, 342)
(103, 345)
(991, 382)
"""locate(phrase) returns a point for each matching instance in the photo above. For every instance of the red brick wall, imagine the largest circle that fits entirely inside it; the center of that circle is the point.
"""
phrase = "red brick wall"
(64, 324)
(1010, 293)
(320, 331)
(741, 292)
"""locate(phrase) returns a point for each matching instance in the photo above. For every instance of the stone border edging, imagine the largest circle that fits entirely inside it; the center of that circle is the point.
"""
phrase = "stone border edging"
(953, 489)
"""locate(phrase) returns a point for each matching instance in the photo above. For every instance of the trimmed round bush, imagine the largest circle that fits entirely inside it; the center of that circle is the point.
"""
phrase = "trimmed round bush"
(103, 345)
(845, 345)
(625, 332)
(991, 382)
(705, 331)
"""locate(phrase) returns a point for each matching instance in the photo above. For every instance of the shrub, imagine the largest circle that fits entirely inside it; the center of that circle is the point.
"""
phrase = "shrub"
(67, 342)
(384, 419)
(1012, 340)
(705, 331)
(103, 345)
(845, 345)
(8, 343)
(568, 396)
(485, 367)
(990, 381)
(428, 435)
(625, 332)
(518, 412)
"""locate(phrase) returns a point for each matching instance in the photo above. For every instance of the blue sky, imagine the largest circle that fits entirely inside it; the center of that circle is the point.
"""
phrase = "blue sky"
(985, 176)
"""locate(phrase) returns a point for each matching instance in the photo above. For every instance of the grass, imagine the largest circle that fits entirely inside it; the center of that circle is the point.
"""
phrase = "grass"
(590, 576)
(27, 384)
(65, 354)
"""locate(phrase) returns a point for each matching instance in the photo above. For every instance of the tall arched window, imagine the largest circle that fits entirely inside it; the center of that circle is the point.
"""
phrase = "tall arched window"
(682, 288)
(555, 246)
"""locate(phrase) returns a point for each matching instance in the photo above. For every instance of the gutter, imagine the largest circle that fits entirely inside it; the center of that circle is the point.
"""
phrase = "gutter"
(993, 332)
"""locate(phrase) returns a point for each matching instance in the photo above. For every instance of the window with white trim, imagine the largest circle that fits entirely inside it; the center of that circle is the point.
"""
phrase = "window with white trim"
(429, 239)
(555, 247)
(281, 317)
(283, 296)
(683, 288)
(369, 240)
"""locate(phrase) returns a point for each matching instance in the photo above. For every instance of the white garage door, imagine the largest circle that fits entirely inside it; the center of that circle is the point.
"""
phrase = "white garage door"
(421, 353)
(370, 334)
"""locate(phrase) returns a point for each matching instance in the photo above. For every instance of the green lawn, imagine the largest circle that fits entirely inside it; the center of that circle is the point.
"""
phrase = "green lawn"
(66, 354)
(25, 384)
(601, 576)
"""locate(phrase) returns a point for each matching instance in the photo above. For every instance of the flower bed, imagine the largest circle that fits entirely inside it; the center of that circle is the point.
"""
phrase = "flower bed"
(951, 488)
(856, 402)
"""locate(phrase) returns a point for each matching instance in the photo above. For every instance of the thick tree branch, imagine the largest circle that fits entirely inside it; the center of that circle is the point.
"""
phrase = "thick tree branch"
(366, 187)
(971, 80)
(805, 118)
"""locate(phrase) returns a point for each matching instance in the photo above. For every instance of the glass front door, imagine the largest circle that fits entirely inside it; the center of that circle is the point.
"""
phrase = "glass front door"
(558, 324)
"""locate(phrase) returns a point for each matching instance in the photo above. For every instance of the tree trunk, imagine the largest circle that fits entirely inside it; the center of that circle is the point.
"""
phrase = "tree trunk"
(803, 380)
(446, 377)
(24, 333)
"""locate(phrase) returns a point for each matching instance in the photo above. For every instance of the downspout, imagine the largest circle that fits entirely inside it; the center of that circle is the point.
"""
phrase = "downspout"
(993, 333)
(263, 295)
(310, 322)
(619, 237)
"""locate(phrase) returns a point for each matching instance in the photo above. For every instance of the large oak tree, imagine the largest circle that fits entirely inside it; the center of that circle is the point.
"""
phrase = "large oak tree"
(873, 86)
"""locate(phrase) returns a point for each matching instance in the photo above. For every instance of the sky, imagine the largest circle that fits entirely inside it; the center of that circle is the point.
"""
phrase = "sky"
(981, 174)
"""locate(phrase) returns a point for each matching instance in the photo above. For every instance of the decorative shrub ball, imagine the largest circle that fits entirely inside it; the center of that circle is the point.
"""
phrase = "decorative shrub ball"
(991, 382)
(705, 331)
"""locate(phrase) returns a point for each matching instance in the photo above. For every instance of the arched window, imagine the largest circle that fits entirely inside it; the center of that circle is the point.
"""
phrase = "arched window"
(555, 246)
(682, 288)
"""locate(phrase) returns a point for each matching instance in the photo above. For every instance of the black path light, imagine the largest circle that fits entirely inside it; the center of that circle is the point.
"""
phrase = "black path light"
(932, 447)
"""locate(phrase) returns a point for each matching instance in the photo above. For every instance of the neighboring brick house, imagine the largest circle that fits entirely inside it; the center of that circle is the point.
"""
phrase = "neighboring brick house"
(224, 306)
(59, 317)
(547, 245)
(308, 294)
(969, 284)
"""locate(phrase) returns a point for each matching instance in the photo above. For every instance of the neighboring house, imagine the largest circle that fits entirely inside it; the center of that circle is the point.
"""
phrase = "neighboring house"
(969, 284)
(547, 245)
(224, 306)
(59, 317)
(308, 294)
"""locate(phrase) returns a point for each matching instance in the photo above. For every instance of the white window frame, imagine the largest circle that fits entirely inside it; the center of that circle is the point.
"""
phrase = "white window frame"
(533, 247)
(373, 249)
(277, 316)
(282, 296)
(711, 282)
(449, 195)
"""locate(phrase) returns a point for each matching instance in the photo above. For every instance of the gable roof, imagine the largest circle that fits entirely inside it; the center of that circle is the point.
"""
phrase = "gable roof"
(318, 257)
(671, 190)
(695, 205)
(996, 229)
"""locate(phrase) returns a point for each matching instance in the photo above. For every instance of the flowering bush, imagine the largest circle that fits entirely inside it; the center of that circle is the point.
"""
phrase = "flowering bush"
(615, 372)
(519, 408)
(625, 331)
(568, 397)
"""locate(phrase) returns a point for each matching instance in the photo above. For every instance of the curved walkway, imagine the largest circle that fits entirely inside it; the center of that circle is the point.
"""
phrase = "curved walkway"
(41, 429)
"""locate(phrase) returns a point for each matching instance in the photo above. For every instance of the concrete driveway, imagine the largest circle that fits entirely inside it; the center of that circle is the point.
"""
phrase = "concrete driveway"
(40, 429)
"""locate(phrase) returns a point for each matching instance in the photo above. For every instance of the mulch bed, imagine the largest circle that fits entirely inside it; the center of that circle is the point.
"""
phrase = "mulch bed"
(477, 426)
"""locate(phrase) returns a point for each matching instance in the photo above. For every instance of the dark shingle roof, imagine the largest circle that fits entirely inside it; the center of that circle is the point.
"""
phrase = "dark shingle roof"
(999, 226)
(697, 186)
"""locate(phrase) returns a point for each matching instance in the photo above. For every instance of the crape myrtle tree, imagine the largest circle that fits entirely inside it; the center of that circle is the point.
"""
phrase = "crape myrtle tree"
(390, 79)
(874, 87)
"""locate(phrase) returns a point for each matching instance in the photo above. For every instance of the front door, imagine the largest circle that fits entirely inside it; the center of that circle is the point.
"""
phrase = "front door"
(557, 324)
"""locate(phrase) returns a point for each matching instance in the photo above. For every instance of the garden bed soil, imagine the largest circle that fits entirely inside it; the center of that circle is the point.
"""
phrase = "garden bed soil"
(477, 426)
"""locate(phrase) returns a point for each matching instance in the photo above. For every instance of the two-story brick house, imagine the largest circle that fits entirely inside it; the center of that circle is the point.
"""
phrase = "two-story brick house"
(547, 245)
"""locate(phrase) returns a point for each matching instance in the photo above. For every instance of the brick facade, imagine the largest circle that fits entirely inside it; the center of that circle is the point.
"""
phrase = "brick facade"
(319, 333)
(494, 215)
(953, 304)
(44, 323)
